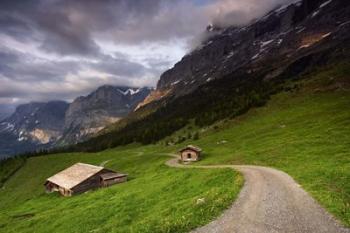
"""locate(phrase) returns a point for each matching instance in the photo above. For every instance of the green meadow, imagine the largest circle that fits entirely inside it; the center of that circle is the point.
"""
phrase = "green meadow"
(155, 199)
(304, 131)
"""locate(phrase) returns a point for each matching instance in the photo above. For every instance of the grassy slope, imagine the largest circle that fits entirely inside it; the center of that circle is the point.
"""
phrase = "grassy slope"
(156, 199)
(305, 133)
(9, 167)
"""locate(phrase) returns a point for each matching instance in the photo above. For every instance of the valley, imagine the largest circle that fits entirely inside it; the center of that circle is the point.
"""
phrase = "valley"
(297, 132)
(263, 102)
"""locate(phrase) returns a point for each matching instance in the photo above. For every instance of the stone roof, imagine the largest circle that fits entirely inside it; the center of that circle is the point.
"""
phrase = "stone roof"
(74, 175)
(191, 147)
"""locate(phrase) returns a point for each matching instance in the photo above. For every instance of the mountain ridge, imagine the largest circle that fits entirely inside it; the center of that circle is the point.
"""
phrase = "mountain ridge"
(89, 114)
(43, 125)
(290, 31)
(237, 69)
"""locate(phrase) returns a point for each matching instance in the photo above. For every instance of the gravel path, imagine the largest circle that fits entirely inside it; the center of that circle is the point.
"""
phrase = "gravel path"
(270, 202)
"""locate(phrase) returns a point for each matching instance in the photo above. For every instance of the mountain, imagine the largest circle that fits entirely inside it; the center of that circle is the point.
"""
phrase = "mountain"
(108, 104)
(238, 68)
(37, 125)
(276, 40)
(32, 125)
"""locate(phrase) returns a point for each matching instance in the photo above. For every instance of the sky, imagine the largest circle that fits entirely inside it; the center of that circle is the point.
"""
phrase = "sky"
(61, 49)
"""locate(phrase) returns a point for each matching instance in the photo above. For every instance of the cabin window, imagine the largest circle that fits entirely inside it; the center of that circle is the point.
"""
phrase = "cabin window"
(189, 155)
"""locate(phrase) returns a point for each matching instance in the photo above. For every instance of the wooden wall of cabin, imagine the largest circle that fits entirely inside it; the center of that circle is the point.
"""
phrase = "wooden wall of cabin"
(118, 180)
(185, 155)
(93, 182)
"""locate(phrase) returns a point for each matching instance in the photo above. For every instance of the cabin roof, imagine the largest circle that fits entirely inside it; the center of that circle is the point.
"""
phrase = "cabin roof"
(112, 175)
(191, 147)
(74, 175)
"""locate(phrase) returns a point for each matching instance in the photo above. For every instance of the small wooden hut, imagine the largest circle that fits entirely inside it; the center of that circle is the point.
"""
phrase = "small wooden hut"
(82, 177)
(190, 153)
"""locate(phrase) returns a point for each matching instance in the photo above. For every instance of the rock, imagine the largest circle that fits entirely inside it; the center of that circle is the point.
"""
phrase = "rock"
(200, 201)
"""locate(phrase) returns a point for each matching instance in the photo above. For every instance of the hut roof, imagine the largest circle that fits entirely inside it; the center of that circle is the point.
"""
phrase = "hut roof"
(74, 175)
(112, 175)
(191, 147)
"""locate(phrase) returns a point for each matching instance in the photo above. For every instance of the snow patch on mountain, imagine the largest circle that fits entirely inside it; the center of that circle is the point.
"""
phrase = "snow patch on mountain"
(284, 7)
(325, 3)
(255, 56)
(230, 54)
(315, 13)
(265, 43)
(326, 35)
(174, 83)
(130, 91)
(7, 126)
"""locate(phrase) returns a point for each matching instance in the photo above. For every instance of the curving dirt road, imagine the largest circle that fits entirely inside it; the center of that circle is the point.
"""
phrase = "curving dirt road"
(270, 202)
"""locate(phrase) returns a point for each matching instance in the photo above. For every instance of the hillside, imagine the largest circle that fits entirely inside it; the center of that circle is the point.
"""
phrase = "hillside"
(273, 93)
(236, 69)
(303, 131)
(149, 202)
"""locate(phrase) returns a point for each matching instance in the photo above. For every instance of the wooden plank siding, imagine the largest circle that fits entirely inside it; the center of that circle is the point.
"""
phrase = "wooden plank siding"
(189, 155)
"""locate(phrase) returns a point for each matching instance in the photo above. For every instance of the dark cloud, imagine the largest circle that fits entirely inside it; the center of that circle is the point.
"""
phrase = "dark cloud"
(158, 63)
(49, 22)
(69, 27)
(7, 58)
(59, 49)
(25, 78)
(119, 66)
(62, 35)
(239, 13)
(14, 26)
(24, 67)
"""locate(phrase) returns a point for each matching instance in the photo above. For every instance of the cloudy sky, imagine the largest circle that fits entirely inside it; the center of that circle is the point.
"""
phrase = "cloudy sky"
(60, 49)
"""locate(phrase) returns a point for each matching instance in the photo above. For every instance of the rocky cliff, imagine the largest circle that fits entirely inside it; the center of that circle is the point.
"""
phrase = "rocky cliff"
(89, 114)
(32, 125)
(238, 68)
(276, 40)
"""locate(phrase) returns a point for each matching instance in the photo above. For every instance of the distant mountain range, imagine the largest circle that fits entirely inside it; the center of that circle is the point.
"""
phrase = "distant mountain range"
(44, 125)
(89, 114)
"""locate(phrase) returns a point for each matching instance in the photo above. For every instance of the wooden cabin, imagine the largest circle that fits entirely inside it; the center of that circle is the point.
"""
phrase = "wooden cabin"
(82, 177)
(190, 153)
